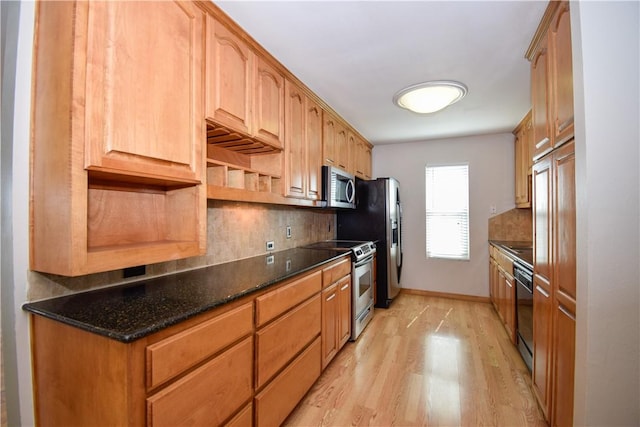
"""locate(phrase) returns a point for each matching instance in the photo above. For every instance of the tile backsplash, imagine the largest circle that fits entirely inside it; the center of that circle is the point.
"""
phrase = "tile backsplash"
(513, 225)
(235, 230)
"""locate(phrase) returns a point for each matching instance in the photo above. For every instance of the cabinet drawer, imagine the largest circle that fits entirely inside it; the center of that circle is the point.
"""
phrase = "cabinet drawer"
(277, 400)
(208, 395)
(271, 305)
(279, 342)
(173, 355)
(336, 271)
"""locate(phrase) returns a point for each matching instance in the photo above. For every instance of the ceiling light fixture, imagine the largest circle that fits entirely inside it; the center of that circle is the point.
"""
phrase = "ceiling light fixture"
(430, 97)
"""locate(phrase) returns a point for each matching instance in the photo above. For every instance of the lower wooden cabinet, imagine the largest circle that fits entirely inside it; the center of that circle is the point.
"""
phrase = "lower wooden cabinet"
(276, 401)
(208, 395)
(502, 289)
(336, 310)
(248, 362)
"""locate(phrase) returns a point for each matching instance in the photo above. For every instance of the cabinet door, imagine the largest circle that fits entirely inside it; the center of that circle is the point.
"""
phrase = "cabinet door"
(510, 307)
(493, 282)
(144, 90)
(565, 285)
(329, 135)
(542, 340)
(295, 147)
(523, 163)
(268, 110)
(342, 147)
(563, 362)
(560, 33)
(229, 69)
(542, 226)
(344, 302)
(330, 311)
(313, 132)
(540, 100)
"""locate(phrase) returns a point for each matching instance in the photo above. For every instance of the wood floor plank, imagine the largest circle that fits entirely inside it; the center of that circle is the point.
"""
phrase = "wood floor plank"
(425, 361)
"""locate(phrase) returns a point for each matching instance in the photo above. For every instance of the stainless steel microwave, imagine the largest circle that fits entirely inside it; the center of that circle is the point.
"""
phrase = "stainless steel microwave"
(338, 188)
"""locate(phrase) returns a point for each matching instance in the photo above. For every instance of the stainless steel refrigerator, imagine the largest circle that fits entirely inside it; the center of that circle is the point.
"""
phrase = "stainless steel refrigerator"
(378, 217)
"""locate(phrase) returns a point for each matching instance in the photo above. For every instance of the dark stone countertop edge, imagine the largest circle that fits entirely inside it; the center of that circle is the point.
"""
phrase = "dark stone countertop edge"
(508, 245)
(33, 307)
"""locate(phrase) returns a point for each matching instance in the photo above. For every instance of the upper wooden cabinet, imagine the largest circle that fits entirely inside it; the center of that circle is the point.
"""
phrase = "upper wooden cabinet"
(552, 80)
(361, 158)
(268, 135)
(523, 161)
(143, 104)
(562, 74)
(335, 141)
(229, 87)
(245, 93)
(303, 144)
(117, 136)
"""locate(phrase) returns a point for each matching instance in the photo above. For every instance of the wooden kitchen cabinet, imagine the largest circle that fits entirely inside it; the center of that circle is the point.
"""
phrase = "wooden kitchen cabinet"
(502, 289)
(361, 158)
(344, 311)
(288, 348)
(167, 378)
(335, 150)
(244, 92)
(303, 145)
(336, 309)
(555, 281)
(330, 323)
(523, 161)
(552, 80)
(117, 135)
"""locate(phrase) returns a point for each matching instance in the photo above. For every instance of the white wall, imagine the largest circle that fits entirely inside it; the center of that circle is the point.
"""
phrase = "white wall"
(491, 182)
(16, 97)
(606, 62)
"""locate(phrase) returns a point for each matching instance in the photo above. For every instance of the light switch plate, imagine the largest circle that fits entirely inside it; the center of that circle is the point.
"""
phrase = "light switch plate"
(288, 231)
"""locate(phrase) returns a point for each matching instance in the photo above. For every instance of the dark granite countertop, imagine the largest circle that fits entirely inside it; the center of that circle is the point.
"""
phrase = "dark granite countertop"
(523, 251)
(129, 312)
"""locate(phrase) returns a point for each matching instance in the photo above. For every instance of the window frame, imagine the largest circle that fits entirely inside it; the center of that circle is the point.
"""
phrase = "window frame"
(464, 254)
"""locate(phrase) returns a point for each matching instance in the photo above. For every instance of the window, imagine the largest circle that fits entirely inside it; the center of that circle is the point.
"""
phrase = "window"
(447, 211)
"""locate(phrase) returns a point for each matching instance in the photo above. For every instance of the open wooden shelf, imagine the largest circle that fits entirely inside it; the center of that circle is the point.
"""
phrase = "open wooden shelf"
(221, 137)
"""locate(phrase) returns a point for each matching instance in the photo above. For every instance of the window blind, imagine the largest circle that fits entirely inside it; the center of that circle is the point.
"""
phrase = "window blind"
(447, 211)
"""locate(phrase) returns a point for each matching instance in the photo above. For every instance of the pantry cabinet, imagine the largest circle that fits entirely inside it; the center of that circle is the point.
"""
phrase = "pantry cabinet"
(117, 136)
(552, 80)
(555, 283)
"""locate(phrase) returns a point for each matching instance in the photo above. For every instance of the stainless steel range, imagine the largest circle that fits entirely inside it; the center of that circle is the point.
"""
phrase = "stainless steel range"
(362, 277)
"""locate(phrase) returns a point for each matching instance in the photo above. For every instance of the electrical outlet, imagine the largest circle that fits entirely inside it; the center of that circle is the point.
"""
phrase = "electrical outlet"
(288, 231)
(270, 259)
(271, 245)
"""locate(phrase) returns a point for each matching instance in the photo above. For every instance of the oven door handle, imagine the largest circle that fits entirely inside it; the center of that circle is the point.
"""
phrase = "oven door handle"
(365, 261)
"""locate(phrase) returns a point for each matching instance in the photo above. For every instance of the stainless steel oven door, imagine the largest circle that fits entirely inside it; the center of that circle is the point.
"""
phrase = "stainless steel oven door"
(363, 279)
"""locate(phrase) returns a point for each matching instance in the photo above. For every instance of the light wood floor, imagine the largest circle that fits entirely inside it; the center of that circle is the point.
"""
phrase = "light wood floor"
(425, 361)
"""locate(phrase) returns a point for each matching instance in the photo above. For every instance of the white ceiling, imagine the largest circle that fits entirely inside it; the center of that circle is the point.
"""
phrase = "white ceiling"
(356, 55)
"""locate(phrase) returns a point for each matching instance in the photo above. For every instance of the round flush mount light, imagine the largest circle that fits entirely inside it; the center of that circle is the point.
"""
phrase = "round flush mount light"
(430, 97)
